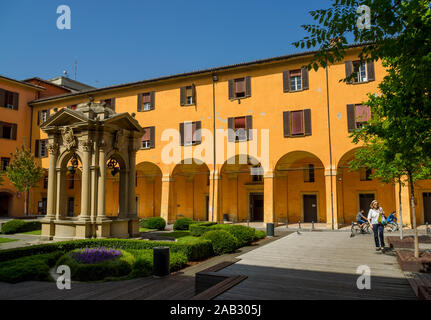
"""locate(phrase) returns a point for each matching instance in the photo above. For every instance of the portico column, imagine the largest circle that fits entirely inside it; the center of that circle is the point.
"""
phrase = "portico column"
(213, 196)
(85, 188)
(52, 180)
(166, 186)
(405, 204)
(268, 197)
(132, 184)
(101, 184)
(331, 198)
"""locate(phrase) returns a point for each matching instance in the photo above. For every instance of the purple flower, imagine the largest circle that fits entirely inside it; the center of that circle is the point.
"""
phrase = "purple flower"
(95, 255)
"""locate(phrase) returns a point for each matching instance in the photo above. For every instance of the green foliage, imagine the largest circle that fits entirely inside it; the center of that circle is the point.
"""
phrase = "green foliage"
(244, 235)
(119, 267)
(193, 248)
(18, 226)
(222, 241)
(5, 240)
(35, 268)
(174, 234)
(259, 234)
(183, 224)
(153, 223)
(198, 229)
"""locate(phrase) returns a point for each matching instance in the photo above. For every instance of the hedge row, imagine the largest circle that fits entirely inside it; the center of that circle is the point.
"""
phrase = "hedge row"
(18, 226)
(198, 229)
(193, 248)
(157, 223)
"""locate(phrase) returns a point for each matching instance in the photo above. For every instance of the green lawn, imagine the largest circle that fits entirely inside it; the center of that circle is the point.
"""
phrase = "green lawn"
(175, 234)
(145, 229)
(34, 232)
(5, 240)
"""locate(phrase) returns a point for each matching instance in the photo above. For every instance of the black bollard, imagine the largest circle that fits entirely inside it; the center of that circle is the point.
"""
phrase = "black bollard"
(270, 229)
(161, 261)
(312, 225)
(299, 225)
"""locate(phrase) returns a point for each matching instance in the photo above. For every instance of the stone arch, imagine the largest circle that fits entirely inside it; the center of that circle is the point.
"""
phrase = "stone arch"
(117, 185)
(148, 189)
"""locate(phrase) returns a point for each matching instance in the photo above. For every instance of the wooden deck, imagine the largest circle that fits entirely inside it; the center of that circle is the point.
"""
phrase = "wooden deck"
(317, 265)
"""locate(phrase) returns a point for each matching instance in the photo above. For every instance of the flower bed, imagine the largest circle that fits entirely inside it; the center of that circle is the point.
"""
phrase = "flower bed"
(408, 262)
(95, 255)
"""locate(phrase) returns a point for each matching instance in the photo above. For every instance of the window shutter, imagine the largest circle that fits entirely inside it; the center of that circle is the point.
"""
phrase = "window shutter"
(194, 94)
(370, 71)
(152, 99)
(297, 122)
(2, 97)
(286, 124)
(38, 117)
(139, 108)
(231, 91)
(247, 87)
(182, 96)
(231, 133)
(286, 81)
(198, 135)
(15, 101)
(349, 71)
(181, 134)
(307, 122)
(304, 72)
(113, 104)
(351, 117)
(152, 137)
(14, 131)
(249, 127)
(36, 149)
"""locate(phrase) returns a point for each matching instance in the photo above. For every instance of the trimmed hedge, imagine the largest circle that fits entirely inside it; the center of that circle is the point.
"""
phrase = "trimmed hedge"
(183, 223)
(222, 241)
(153, 223)
(244, 235)
(32, 268)
(259, 234)
(198, 229)
(120, 267)
(194, 248)
(18, 226)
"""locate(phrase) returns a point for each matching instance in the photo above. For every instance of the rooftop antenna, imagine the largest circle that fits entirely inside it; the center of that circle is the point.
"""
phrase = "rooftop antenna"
(76, 68)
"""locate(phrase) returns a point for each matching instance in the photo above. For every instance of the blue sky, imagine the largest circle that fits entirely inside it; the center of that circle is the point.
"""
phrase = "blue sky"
(123, 41)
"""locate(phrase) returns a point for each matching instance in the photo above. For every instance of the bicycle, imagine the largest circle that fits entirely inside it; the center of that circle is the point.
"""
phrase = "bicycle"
(357, 228)
(391, 223)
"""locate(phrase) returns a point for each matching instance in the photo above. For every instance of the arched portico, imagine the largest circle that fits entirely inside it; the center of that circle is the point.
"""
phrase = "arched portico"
(148, 190)
(99, 142)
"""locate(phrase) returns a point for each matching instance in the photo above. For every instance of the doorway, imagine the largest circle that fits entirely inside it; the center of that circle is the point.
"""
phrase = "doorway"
(5, 203)
(207, 204)
(71, 207)
(365, 200)
(256, 207)
(310, 207)
(427, 206)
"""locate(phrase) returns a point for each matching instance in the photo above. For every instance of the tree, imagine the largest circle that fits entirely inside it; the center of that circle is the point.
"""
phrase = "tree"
(24, 173)
(400, 131)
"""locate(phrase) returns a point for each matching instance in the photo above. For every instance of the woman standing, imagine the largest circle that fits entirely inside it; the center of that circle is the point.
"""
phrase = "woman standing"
(375, 217)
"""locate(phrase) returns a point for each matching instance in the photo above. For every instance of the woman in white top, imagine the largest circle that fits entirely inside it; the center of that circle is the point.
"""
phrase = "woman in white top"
(375, 216)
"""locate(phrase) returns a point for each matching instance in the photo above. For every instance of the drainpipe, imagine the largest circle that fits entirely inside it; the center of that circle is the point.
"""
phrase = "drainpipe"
(215, 79)
(330, 146)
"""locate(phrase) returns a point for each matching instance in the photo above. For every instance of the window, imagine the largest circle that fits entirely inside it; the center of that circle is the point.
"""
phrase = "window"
(295, 80)
(364, 71)
(146, 101)
(40, 149)
(147, 140)
(239, 88)
(72, 107)
(109, 103)
(42, 116)
(309, 173)
(256, 173)
(8, 130)
(9, 99)
(240, 129)
(5, 163)
(45, 182)
(190, 133)
(358, 116)
(188, 95)
(365, 174)
(297, 123)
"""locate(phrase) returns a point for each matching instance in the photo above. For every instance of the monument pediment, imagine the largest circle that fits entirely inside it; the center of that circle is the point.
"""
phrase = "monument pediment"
(65, 117)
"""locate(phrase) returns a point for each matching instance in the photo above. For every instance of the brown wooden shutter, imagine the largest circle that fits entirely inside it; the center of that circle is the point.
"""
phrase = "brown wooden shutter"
(297, 122)
(113, 104)
(194, 94)
(231, 133)
(351, 123)
(152, 99)
(231, 89)
(247, 87)
(198, 133)
(349, 71)
(152, 137)
(38, 117)
(15, 101)
(2, 98)
(370, 71)
(286, 124)
(249, 127)
(14, 131)
(182, 96)
(304, 72)
(36, 148)
(286, 81)
(181, 134)
(307, 122)
(139, 107)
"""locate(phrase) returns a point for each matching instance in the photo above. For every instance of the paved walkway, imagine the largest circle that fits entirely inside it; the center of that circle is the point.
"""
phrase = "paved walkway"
(317, 265)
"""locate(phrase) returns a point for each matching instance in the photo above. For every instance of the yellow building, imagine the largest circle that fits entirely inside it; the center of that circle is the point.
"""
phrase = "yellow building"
(302, 118)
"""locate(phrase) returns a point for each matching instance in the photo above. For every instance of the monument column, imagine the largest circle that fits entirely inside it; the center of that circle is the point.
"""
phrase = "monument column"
(85, 189)
(132, 182)
(101, 188)
(52, 181)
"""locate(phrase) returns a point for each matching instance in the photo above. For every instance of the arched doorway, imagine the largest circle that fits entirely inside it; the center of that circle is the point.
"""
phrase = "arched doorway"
(148, 190)
(116, 185)
(242, 190)
(299, 188)
(5, 203)
(190, 190)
